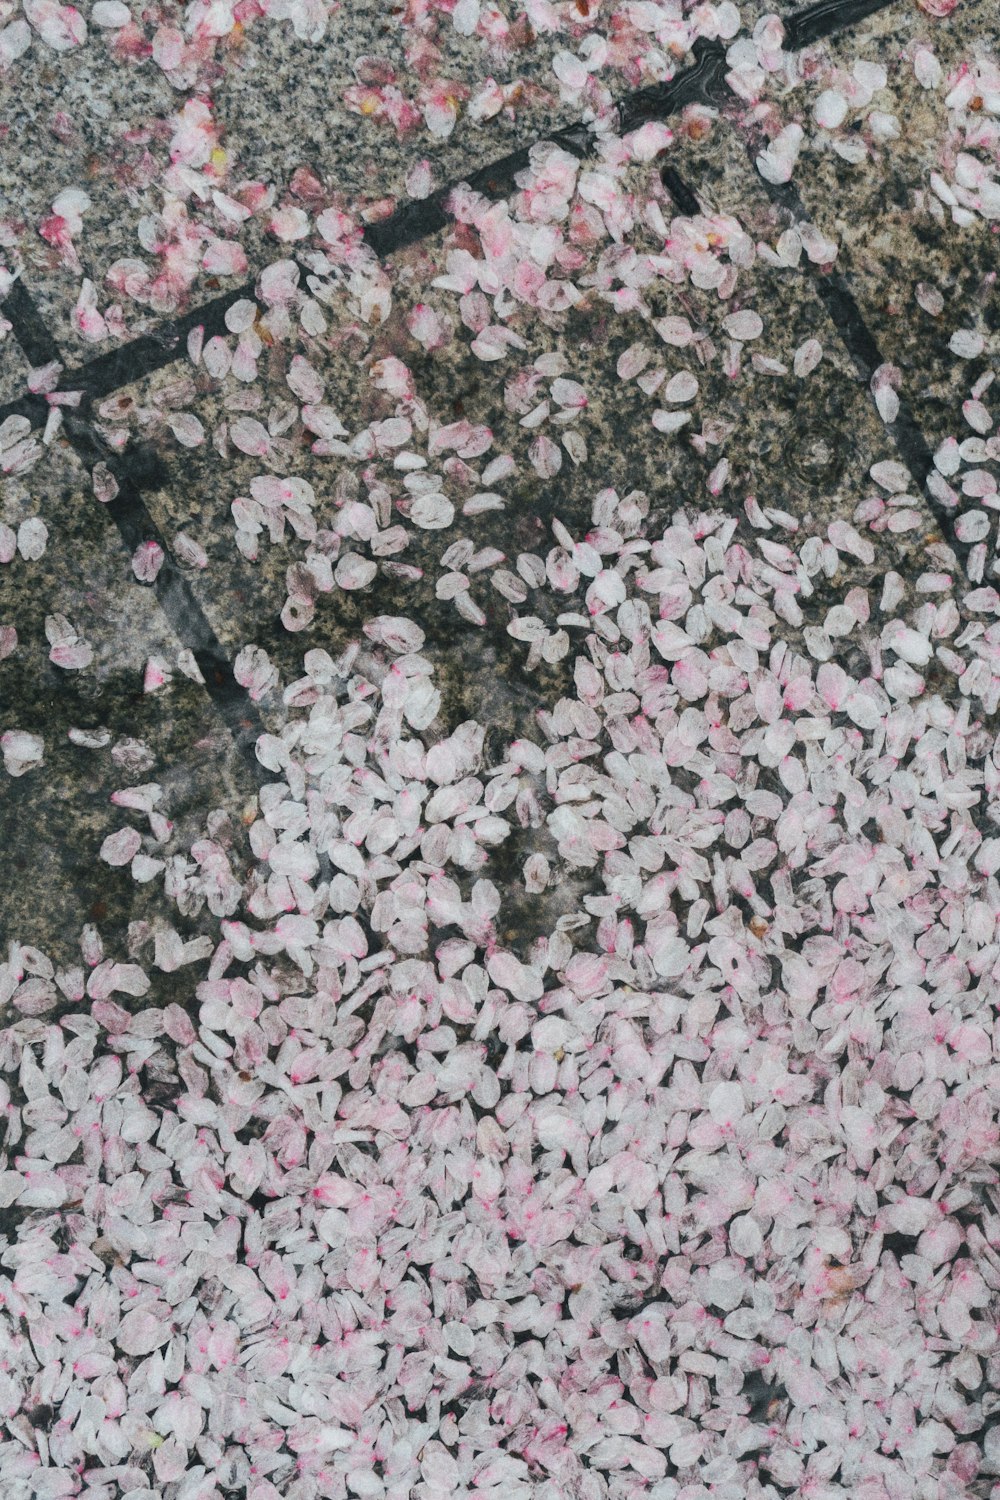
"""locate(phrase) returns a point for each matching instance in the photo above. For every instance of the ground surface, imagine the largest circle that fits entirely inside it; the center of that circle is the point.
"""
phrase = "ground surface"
(499, 804)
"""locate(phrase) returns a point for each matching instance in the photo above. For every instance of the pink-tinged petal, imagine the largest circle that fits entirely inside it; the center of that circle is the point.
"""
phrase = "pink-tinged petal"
(147, 560)
(144, 1329)
(60, 27)
(23, 751)
(119, 848)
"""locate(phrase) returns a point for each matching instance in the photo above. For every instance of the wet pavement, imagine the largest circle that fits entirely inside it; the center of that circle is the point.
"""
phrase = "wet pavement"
(803, 447)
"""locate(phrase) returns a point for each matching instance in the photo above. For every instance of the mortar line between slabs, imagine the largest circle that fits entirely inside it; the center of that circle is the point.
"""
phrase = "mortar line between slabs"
(838, 301)
(135, 525)
(831, 286)
(841, 307)
(907, 436)
(832, 289)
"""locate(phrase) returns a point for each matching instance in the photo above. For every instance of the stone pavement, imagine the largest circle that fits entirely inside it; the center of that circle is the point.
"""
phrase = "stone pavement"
(322, 319)
(806, 448)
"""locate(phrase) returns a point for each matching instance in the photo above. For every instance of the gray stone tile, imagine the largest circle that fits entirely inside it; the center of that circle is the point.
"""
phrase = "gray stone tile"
(53, 821)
